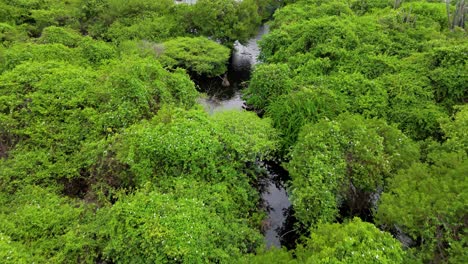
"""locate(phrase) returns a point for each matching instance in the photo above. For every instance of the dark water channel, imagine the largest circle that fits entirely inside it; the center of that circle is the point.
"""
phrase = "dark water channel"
(218, 98)
(243, 58)
(279, 224)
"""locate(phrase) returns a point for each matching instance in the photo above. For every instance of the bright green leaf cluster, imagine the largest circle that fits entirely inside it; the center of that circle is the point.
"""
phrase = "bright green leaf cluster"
(342, 162)
(198, 55)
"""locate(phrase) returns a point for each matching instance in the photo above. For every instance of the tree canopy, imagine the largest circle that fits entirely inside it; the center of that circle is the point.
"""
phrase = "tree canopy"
(107, 155)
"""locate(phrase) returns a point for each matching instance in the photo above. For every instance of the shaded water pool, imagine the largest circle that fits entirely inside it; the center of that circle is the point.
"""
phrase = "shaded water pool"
(277, 227)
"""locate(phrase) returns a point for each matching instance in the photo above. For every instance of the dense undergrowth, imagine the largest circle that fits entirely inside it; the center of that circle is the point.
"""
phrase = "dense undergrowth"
(107, 157)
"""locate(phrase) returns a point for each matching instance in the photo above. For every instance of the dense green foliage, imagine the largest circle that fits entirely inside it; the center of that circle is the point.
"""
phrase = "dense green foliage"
(434, 194)
(363, 105)
(352, 242)
(343, 162)
(198, 55)
(45, 228)
(268, 82)
(189, 226)
(106, 156)
(383, 63)
(191, 143)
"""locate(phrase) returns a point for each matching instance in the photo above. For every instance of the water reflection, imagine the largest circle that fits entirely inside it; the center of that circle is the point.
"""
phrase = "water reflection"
(244, 57)
(277, 203)
(278, 228)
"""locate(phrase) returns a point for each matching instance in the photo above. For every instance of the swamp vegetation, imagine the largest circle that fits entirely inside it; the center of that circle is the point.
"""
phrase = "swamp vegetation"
(107, 154)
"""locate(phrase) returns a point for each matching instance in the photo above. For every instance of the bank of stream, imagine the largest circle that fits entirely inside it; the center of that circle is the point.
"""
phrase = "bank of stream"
(277, 227)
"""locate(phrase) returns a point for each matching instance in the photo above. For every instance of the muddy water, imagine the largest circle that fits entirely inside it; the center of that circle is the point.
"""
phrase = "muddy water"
(219, 98)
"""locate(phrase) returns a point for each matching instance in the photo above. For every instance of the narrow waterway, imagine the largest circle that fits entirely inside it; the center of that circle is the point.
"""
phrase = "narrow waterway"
(219, 98)
(277, 205)
(243, 59)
